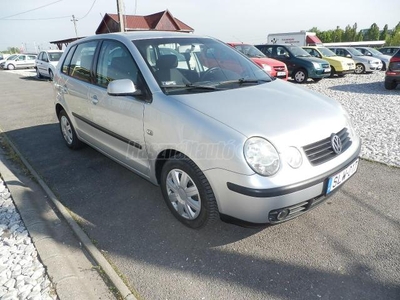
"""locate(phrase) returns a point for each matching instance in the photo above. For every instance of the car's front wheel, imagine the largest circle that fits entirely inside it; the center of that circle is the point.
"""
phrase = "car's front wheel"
(300, 76)
(68, 131)
(11, 67)
(51, 75)
(359, 69)
(188, 193)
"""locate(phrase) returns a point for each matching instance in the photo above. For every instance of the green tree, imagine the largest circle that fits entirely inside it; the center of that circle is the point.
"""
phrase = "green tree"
(359, 37)
(13, 50)
(373, 33)
(348, 34)
(384, 33)
(337, 34)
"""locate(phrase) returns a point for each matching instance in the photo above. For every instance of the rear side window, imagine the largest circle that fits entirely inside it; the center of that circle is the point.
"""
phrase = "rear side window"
(67, 62)
(81, 62)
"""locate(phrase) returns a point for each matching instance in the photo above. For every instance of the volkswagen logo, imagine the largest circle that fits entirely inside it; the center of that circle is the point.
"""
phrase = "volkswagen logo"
(336, 143)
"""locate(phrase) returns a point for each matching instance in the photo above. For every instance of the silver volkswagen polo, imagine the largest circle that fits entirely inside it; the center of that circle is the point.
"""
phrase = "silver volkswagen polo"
(212, 129)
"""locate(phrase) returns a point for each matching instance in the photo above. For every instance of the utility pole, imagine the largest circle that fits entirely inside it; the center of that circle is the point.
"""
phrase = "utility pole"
(75, 20)
(120, 5)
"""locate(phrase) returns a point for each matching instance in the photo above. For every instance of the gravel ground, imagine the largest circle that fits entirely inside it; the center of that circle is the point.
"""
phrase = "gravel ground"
(376, 116)
(22, 275)
(375, 112)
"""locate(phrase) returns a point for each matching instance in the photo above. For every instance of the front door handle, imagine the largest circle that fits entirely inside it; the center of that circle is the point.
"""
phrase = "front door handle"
(94, 99)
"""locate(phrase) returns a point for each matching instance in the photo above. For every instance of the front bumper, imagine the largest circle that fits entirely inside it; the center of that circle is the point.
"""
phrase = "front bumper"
(259, 205)
(373, 67)
(320, 73)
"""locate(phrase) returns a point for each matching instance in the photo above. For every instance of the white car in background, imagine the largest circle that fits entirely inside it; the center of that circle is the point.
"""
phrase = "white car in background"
(46, 63)
(19, 61)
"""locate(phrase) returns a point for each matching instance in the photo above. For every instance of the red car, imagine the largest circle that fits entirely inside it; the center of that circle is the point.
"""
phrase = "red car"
(272, 66)
(392, 78)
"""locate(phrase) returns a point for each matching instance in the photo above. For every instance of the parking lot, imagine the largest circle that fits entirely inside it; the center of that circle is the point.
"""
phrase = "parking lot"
(348, 248)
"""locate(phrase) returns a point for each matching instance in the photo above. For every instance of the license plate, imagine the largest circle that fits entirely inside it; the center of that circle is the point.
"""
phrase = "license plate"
(341, 177)
(280, 73)
(327, 70)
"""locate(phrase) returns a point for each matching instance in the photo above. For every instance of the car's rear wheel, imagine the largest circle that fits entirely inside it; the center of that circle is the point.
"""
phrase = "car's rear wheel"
(68, 131)
(390, 85)
(359, 69)
(11, 67)
(188, 193)
(300, 76)
(38, 75)
(51, 75)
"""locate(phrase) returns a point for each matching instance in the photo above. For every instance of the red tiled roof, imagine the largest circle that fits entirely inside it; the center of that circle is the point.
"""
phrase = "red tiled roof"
(157, 21)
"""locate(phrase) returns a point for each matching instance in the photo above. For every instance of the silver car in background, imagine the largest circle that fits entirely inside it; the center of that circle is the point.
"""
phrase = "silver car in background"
(364, 64)
(217, 133)
(368, 51)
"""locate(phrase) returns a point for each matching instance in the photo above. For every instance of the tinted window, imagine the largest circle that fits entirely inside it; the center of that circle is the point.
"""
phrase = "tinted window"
(67, 62)
(55, 56)
(40, 56)
(82, 60)
(115, 62)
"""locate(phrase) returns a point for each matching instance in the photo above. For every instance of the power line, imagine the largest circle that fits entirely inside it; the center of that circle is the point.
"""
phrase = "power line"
(38, 19)
(24, 12)
(90, 9)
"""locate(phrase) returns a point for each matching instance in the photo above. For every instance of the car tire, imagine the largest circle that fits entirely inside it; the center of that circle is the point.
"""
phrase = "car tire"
(68, 131)
(38, 75)
(188, 193)
(383, 66)
(300, 76)
(333, 71)
(390, 85)
(51, 75)
(10, 67)
(360, 69)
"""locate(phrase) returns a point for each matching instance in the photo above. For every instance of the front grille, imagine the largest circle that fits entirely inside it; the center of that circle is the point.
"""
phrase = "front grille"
(325, 66)
(279, 68)
(322, 151)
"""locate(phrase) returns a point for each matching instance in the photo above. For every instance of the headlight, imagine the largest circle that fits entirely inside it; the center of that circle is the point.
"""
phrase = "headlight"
(293, 157)
(261, 156)
(267, 67)
(316, 65)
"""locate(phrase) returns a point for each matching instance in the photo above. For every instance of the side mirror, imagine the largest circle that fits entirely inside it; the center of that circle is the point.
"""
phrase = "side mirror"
(122, 87)
(348, 55)
(369, 53)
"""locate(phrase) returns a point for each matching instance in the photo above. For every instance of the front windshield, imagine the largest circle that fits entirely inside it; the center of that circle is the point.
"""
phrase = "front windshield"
(12, 57)
(55, 56)
(208, 65)
(374, 51)
(354, 52)
(298, 52)
(250, 51)
(326, 52)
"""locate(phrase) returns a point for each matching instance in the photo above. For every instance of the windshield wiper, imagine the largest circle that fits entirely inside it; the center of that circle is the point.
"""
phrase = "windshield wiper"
(244, 81)
(190, 86)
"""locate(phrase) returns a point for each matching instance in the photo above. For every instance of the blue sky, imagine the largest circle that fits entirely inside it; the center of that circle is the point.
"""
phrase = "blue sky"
(229, 20)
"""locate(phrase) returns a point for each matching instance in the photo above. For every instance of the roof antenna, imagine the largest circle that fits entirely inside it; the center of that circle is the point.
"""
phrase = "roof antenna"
(237, 39)
(109, 31)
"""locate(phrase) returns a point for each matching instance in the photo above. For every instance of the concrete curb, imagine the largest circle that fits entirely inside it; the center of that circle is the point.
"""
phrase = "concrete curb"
(80, 234)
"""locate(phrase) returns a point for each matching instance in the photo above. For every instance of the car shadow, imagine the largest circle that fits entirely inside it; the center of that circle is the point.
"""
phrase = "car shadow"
(372, 88)
(35, 78)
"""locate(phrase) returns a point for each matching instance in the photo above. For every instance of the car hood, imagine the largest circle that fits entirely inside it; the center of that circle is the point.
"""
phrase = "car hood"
(313, 59)
(278, 111)
(267, 61)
